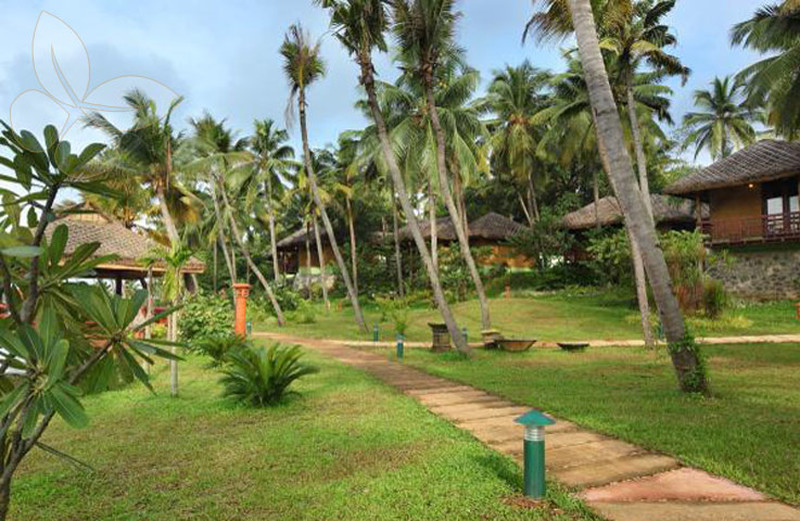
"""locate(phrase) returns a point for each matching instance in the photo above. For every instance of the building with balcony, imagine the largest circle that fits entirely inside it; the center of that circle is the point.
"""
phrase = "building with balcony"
(754, 215)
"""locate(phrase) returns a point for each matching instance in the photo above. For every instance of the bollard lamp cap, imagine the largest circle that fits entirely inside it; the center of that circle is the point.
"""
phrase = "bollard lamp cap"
(534, 418)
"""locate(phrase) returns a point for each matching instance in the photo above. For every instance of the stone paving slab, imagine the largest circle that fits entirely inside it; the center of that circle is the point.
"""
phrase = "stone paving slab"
(685, 484)
(662, 511)
(620, 481)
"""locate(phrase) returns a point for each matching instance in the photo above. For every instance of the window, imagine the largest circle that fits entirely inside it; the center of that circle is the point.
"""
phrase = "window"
(780, 203)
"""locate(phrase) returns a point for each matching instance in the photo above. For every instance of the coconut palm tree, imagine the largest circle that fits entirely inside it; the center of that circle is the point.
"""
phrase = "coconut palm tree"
(683, 351)
(425, 31)
(147, 148)
(641, 38)
(219, 151)
(265, 174)
(360, 26)
(774, 29)
(723, 121)
(348, 171)
(515, 95)
(303, 65)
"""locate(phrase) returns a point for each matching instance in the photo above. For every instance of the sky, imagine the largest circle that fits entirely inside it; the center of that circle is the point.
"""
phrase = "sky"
(223, 57)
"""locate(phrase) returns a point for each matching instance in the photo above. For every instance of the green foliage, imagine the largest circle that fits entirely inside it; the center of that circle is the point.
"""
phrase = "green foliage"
(219, 347)
(304, 314)
(395, 310)
(206, 315)
(261, 377)
(259, 308)
(715, 298)
(546, 241)
(694, 379)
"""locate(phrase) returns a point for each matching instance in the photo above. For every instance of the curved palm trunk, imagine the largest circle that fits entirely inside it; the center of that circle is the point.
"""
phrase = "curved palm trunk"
(398, 257)
(638, 146)
(368, 81)
(223, 242)
(312, 178)
(308, 260)
(433, 229)
(596, 196)
(463, 242)
(351, 226)
(685, 358)
(273, 244)
(641, 292)
(250, 263)
(321, 260)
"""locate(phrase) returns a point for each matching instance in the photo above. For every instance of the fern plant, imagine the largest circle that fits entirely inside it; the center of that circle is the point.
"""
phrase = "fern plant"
(219, 347)
(261, 377)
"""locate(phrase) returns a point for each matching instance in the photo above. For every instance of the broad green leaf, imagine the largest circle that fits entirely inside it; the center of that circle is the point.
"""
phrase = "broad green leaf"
(11, 399)
(89, 153)
(62, 156)
(135, 368)
(58, 243)
(51, 140)
(68, 406)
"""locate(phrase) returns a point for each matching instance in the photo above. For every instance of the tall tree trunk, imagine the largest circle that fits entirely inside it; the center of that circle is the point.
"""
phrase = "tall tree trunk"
(308, 260)
(230, 262)
(172, 336)
(528, 216)
(216, 265)
(351, 226)
(169, 222)
(246, 252)
(685, 358)
(638, 146)
(312, 178)
(532, 196)
(641, 292)
(368, 81)
(398, 257)
(596, 196)
(434, 232)
(486, 322)
(273, 243)
(321, 259)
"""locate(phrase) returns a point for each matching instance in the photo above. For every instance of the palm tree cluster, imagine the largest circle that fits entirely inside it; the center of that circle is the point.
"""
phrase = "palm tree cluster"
(535, 145)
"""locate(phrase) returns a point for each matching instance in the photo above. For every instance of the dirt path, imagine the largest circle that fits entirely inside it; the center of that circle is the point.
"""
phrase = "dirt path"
(619, 480)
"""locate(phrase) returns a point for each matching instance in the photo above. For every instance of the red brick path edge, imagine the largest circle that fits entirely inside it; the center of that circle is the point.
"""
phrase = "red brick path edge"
(620, 481)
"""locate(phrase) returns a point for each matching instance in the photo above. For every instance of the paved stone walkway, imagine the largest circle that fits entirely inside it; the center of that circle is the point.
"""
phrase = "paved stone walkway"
(619, 480)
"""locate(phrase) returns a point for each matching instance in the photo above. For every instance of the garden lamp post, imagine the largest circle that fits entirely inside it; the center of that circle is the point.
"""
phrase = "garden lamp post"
(400, 346)
(534, 423)
(464, 332)
(375, 333)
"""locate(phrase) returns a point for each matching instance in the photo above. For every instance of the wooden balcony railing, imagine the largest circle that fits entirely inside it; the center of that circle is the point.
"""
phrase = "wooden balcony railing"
(766, 228)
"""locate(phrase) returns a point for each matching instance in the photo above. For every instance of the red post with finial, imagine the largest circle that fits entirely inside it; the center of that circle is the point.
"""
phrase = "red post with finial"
(241, 292)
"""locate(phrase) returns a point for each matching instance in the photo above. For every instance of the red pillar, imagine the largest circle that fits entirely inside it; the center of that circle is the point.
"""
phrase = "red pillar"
(241, 291)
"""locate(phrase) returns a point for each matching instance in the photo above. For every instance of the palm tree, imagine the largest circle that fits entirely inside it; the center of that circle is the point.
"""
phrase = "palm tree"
(515, 96)
(219, 152)
(774, 29)
(303, 65)
(642, 38)
(360, 26)
(724, 120)
(425, 31)
(271, 166)
(348, 171)
(147, 148)
(683, 351)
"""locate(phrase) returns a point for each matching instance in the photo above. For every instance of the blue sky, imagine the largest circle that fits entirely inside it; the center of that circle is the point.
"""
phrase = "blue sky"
(223, 56)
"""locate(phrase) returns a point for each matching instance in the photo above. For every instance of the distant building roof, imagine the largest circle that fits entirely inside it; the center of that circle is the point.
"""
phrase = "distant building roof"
(129, 246)
(491, 226)
(765, 160)
(666, 210)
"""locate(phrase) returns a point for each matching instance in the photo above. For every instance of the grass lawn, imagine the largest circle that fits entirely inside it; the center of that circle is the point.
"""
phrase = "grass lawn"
(347, 448)
(748, 431)
(556, 317)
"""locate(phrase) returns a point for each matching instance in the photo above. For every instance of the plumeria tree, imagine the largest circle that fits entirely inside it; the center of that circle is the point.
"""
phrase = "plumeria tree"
(58, 334)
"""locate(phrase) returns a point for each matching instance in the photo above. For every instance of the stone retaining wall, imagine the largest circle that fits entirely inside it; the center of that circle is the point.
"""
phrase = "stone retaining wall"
(771, 274)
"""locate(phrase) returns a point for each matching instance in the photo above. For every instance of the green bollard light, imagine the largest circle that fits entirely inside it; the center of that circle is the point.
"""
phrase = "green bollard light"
(464, 332)
(249, 328)
(375, 333)
(400, 346)
(534, 423)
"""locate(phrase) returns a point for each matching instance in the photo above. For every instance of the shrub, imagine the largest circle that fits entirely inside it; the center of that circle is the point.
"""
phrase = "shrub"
(396, 311)
(206, 315)
(219, 347)
(304, 314)
(259, 376)
(715, 298)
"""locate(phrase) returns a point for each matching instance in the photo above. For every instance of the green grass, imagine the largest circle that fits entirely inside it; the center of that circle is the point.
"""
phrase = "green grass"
(348, 448)
(749, 431)
(557, 317)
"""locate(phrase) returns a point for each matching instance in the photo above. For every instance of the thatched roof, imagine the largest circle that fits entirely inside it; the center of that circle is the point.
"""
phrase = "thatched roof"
(666, 210)
(491, 226)
(298, 238)
(129, 246)
(766, 160)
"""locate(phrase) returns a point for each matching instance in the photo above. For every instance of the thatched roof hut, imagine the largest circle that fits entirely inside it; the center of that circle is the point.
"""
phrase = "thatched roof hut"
(490, 227)
(764, 161)
(668, 211)
(87, 225)
(298, 238)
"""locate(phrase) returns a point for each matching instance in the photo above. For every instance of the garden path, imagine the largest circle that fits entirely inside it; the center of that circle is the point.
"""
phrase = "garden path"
(620, 481)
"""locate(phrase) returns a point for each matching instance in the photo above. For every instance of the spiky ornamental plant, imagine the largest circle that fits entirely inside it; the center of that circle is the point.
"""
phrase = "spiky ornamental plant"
(46, 349)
